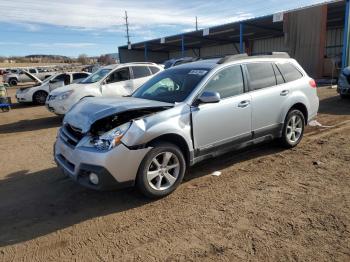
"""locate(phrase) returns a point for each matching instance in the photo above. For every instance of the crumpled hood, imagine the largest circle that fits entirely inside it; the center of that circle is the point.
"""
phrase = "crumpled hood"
(89, 110)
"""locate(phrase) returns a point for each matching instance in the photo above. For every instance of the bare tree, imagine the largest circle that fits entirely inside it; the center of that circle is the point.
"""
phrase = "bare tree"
(83, 59)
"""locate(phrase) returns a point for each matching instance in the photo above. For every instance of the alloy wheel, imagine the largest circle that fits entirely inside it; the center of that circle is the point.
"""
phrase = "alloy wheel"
(163, 171)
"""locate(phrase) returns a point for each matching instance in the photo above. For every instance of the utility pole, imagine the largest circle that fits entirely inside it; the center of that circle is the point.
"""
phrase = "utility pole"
(196, 23)
(127, 27)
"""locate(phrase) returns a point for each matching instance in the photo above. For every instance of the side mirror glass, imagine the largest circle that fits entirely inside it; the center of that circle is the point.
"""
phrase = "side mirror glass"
(208, 97)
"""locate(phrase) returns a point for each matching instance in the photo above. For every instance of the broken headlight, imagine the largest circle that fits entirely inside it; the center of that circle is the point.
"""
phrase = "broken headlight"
(110, 139)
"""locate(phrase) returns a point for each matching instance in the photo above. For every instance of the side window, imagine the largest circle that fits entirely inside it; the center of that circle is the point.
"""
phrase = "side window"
(227, 82)
(278, 75)
(154, 69)
(79, 76)
(122, 74)
(59, 78)
(140, 71)
(261, 75)
(32, 71)
(289, 72)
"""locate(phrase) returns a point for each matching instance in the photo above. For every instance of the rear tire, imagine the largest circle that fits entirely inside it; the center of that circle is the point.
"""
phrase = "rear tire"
(39, 97)
(161, 171)
(293, 129)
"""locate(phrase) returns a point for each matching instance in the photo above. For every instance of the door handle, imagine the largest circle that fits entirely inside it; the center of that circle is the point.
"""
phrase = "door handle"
(244, 104)
(284, 92)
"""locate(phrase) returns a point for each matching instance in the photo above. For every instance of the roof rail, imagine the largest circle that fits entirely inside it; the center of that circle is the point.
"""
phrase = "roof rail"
(231, 58)
(143, 63)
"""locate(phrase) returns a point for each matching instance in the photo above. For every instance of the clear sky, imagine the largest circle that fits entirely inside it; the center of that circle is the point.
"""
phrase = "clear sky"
(94, 27)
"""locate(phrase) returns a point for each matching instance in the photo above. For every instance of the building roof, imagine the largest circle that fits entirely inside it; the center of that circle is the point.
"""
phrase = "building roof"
(254, 28)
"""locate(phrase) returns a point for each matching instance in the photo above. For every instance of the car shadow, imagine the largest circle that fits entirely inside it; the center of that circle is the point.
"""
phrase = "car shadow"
(335, 106)
(31, 125)
(35, 204)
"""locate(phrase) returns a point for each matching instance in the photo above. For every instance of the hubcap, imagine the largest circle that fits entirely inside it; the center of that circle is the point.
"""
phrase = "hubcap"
(294, 129)
(41, 98)
(163, 171)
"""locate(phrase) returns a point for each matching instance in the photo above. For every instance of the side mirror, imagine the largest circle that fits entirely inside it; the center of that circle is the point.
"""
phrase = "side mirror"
(209, 97)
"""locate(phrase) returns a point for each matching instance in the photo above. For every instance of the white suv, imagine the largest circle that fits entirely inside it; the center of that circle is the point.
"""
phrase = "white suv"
(113, 80)
(37, 94)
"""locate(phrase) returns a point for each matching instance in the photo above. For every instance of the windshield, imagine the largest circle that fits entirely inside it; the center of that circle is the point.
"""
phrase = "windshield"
(95, 77)
(173, 85)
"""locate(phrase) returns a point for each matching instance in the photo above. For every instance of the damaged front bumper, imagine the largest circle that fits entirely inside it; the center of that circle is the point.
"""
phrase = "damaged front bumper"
(116, 168)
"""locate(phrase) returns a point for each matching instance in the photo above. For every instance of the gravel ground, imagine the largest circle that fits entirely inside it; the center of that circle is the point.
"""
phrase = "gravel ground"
(268, 204)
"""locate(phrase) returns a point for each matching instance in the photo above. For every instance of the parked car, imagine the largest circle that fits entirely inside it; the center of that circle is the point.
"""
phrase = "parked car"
(344, 83)
(182, 116)
(20, 76)
(178, 61)
(113, 80)
(38, 93)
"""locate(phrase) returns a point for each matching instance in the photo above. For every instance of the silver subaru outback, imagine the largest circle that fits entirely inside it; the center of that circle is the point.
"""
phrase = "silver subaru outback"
(182, 116)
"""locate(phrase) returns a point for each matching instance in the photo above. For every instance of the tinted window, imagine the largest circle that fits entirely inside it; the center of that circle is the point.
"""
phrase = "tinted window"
(32, 71)
(228, 82)
(279, 77)
(173, 85)
(154, 69)
(119, 75)
(59, 78)
(261, 75)
(289, 72)
(140, 71)
(79, 76)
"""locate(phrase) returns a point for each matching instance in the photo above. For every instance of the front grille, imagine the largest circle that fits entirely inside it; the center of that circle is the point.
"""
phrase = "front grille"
(69, 165)
(71, 135)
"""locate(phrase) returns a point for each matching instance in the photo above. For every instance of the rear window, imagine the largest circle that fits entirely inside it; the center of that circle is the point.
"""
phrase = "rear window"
(261, 75)
(140, 71)
(290, 72)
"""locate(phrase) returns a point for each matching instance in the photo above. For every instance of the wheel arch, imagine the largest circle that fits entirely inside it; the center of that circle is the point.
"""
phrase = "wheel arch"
(176, 140)
(302, 108)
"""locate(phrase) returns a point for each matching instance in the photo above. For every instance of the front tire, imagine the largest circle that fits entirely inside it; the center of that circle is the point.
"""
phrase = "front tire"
(161, 171)
(39, 97)
(13, 82)
(293, 129)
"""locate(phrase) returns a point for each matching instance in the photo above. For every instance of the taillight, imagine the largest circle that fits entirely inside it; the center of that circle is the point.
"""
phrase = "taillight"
(313, 83)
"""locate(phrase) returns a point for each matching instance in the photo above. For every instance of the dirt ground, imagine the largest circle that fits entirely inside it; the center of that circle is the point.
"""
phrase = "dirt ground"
(268, 204)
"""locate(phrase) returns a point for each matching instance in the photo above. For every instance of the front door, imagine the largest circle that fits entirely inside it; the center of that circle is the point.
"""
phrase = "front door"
(118, 83)
(228, 121)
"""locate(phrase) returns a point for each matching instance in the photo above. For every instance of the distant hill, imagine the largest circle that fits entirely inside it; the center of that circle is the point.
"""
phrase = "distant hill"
(53, 57)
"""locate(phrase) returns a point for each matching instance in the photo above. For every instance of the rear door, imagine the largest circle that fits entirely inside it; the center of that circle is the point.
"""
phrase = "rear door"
(268, 97)
(225, 122)
(140, 75)
(118, 83)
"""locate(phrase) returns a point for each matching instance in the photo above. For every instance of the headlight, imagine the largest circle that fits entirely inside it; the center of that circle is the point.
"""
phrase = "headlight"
(65, 95)
(110, 139)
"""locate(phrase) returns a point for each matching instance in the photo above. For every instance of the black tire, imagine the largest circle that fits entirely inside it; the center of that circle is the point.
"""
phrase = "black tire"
(39, 97)
(342, 96)
(145, 186)
(285, 140)
(13, 82)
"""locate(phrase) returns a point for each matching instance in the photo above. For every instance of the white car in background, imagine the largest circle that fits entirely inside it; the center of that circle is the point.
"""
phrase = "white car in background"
(38, 93)
(113, 80)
